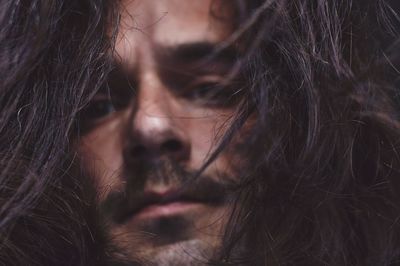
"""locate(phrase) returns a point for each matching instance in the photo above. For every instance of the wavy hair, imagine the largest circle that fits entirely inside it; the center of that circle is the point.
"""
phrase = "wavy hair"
(52, 59)
(322, 185)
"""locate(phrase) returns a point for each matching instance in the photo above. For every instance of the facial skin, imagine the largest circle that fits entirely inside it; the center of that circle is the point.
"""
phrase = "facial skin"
(154, 128)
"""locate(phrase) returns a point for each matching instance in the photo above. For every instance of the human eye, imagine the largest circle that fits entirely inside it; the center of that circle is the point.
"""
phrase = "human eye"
(208, 93)
(115, 95)
(98, 108)
(213, 94)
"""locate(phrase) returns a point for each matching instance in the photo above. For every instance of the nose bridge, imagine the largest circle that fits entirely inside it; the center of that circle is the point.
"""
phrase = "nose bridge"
(153, 116)
(155, 129)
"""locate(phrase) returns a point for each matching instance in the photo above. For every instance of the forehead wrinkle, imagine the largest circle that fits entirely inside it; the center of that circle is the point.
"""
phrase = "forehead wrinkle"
(172, 21)
(148, 25)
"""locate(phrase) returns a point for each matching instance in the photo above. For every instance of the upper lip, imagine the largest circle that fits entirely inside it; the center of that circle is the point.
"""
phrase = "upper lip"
(134, 204)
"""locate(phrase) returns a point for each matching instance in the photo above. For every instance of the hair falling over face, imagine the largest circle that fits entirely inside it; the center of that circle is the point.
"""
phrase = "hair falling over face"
(320, 79)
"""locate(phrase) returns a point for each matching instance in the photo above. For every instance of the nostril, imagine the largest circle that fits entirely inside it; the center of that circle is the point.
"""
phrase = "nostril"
(171, 145)
(138, 151)
(168, 147)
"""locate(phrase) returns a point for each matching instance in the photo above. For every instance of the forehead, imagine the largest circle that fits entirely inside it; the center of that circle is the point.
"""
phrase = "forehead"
(152, 23)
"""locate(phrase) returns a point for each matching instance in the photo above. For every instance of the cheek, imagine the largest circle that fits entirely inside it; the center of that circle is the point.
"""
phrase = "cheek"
(101, 157)
(205, 131)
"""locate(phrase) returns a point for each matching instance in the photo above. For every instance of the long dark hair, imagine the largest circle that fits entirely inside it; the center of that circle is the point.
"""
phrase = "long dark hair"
(52, 58)
(321, 187)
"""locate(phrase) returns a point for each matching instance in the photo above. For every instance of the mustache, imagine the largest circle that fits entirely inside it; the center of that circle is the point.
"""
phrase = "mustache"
(181, 185)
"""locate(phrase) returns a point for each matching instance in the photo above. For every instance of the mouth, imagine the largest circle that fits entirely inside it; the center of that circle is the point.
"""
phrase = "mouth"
(170, 202)
(158, 210)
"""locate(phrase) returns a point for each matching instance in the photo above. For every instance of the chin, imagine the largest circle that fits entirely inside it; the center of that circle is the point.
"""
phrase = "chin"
(195, 251)
(190, 237)
(186, 252)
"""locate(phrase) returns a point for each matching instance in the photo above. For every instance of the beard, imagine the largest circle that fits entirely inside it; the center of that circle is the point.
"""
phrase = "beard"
(173, 240)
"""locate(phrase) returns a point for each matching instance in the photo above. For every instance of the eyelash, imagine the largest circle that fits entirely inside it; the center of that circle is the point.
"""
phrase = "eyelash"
(116, 95)
(212, 94)
(99, 108)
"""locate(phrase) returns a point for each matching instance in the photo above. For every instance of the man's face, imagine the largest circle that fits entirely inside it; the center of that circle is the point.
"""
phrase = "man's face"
(155, 125)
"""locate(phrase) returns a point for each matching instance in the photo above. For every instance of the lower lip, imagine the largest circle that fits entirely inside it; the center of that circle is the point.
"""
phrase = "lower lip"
(165, 210)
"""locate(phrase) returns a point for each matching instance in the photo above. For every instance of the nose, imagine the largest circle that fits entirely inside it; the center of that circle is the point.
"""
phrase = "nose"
(155, 128)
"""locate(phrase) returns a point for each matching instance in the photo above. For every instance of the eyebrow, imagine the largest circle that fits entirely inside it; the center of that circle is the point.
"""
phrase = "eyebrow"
(184, 59)
(196, 52)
